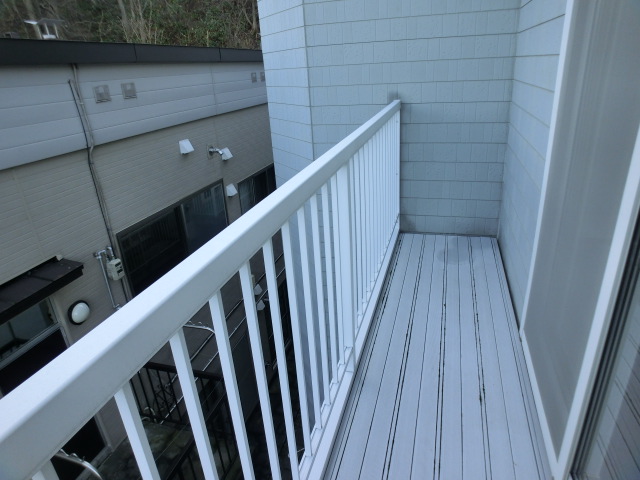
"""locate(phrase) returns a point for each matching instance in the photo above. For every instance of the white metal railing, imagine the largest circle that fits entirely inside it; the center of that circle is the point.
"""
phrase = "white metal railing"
(339, 222)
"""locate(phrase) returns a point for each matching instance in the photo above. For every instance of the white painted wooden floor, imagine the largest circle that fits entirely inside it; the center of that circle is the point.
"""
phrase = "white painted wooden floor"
(442, 390)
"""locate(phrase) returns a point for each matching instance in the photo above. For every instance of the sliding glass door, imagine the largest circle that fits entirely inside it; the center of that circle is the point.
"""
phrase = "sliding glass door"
(610, 444)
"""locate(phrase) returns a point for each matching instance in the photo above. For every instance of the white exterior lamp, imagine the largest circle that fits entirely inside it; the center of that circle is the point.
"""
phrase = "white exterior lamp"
(78, 312)
(185, 146)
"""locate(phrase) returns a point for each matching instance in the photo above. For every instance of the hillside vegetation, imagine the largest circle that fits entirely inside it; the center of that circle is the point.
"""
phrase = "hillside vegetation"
(208, 23)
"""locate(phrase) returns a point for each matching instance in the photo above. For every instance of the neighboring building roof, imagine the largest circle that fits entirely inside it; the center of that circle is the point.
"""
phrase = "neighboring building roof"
(37, 52)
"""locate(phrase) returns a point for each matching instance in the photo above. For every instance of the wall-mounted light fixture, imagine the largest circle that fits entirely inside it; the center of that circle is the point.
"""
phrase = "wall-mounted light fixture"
(185, 146)
(224, 153)
(78, 312)
(232, 191)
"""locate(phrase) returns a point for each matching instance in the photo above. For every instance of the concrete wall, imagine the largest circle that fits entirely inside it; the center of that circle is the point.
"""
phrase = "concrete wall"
(534, 77)
(451, 64)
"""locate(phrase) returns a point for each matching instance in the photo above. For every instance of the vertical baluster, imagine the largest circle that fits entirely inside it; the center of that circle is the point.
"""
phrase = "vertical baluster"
(258, 366)
(344, 234)
(382, 166)
(364, 200)
(373, 200)
(380, 146)
(337, 257)
(389, 177)
(135, 431)
(297, 335)
(371, 211)
(379, 187)
(309, 314)
(383, 163)
(357, 219)
(231, 384)
(322, 317)
(278, 339)
(192, 402)
(328, 257)
(396, 162)
(364, 228)
(371, 193)
(47, 472)
(385, 180)
(357, 306)
(388, 182)
(392, 178)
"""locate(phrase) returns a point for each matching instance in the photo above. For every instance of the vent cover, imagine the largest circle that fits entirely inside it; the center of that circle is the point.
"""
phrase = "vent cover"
(254, 77)
(129, 90)
(102, 93)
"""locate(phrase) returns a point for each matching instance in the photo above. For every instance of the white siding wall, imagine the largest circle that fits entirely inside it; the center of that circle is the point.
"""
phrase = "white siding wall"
(38, 117)
(450, 62)
(538, 45)
(285, 60)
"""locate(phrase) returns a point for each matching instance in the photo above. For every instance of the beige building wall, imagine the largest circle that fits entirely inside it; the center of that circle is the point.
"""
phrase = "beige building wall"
(51, 207)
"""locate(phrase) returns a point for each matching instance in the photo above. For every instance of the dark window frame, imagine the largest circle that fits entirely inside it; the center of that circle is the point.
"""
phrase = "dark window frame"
(176, 209)
(251, 179)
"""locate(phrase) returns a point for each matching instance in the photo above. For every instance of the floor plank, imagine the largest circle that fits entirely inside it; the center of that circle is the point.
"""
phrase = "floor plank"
(389, 387)
(353, 435)
(441, 391)
(404, 429)
(475, 450)
(424, 449)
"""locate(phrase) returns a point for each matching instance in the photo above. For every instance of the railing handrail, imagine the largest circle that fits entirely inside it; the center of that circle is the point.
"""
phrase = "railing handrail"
(64, 395)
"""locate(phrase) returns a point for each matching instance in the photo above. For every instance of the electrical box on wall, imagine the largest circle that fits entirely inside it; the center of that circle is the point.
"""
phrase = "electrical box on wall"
(115, 270)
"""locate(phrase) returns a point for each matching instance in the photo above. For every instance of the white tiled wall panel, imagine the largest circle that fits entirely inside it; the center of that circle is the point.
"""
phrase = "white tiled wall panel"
(286, 59)
(538, 45)
(450, 62)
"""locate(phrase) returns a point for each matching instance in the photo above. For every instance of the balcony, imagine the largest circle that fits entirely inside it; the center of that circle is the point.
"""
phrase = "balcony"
(406, 350)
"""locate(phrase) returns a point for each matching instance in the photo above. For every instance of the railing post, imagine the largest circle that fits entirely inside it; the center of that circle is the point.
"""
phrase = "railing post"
(309, 313)
(192, 402)
(231, 384)
(331, 302)
(290, 268)
(259, 368)
(346, 262)
(338, 279)
(322, 318)
(281, 355)
(135, 431)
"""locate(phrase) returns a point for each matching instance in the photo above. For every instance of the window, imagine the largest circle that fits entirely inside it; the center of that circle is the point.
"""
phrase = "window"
(23, 328)
(256, 188)
(155, 245)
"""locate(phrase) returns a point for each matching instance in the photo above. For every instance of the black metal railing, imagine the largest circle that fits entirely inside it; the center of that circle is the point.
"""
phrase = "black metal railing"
(160, 400)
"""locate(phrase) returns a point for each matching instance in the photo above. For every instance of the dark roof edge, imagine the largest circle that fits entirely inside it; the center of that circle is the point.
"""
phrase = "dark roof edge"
(52, 52)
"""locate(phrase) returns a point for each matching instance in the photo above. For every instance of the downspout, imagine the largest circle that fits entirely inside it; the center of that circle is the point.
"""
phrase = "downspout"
(74, 84)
